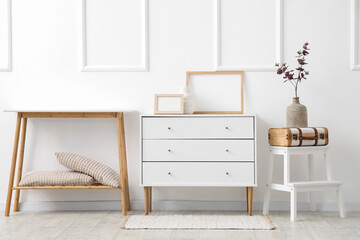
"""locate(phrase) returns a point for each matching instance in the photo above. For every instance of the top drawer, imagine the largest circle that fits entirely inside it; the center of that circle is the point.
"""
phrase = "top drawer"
(197, 127)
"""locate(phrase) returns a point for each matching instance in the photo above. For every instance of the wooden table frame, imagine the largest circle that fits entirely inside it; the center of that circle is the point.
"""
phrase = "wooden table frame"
(21, 122)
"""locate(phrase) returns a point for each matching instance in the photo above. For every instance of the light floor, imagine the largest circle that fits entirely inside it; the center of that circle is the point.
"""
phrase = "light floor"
(106, 225)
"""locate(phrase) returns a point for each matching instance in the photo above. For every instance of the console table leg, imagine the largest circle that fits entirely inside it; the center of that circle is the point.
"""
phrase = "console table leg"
(13, 165)
(125, 198)
(249, 193)
(20, 164)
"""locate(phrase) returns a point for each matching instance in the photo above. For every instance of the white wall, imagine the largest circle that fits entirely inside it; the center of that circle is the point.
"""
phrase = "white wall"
(46, 74)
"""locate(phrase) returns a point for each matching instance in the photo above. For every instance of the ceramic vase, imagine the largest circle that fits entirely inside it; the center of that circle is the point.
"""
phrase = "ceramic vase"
(189, 106)
(296, 114)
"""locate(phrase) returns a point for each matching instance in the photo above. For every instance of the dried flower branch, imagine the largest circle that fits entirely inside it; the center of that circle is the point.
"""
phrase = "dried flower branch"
(289, 75)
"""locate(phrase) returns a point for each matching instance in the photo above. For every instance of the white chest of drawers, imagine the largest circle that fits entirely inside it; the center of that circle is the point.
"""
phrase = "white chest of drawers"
(198, 150)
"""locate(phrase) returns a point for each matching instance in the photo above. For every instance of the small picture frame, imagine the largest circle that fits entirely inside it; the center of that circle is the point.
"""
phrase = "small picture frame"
(169, 104)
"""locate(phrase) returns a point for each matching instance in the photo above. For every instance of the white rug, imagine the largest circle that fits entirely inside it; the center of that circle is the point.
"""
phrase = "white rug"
(212, 221)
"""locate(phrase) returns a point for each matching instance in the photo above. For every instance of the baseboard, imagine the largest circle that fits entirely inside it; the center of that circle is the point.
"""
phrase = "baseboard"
(174, 205)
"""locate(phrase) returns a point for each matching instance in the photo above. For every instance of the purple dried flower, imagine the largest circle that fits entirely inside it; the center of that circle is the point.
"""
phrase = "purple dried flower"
(288, 75)
(304, 52)
(301, 61)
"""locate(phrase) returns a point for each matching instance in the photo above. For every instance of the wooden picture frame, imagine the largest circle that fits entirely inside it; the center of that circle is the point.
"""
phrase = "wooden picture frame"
(241, 73)
(169, 109)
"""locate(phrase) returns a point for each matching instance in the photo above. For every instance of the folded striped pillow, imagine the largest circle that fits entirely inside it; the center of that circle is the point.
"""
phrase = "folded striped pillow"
(55, 178)
(101, 173)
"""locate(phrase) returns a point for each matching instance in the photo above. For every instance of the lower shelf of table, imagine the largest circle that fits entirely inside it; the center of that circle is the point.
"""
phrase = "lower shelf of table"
(66, 187)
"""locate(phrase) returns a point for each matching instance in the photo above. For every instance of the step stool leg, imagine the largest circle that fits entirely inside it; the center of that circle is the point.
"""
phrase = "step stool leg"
(329, 172)
(311, 169)
(286, 167)
(268, 186)
(293, 207)
(341, 202)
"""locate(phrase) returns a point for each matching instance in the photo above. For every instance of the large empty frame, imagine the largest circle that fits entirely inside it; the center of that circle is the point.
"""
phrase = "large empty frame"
(240, 97)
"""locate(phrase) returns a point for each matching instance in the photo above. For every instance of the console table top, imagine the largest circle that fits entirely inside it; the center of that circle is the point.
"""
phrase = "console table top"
(34, 110)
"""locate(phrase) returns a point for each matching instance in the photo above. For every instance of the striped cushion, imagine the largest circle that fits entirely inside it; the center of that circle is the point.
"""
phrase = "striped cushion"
(55, 178)
(101, 173)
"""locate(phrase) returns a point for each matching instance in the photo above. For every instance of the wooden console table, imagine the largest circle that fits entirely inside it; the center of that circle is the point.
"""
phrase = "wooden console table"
(21, 122)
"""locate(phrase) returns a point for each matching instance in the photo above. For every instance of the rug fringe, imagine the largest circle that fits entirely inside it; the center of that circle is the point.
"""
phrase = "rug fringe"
(272, 227)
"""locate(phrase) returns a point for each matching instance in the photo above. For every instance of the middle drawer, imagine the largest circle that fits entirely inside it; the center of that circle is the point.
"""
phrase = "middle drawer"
(198, 150)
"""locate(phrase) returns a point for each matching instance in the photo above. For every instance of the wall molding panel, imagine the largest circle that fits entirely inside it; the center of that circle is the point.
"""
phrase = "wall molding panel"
(355, 65)
(117, 68)
(217, 42)
(8, 68)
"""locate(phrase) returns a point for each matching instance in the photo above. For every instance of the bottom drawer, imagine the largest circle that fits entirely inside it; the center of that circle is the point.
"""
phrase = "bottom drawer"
(198, 174)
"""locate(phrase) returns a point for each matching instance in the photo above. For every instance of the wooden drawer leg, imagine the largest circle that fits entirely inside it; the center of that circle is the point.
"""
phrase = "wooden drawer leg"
(146, 198)
(249, 194)
(150, 199)
(247, 199)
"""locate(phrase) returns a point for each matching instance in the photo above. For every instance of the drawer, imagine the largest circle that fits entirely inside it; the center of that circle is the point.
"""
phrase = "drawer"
(198, 174)
(198, 150)
(197, 127)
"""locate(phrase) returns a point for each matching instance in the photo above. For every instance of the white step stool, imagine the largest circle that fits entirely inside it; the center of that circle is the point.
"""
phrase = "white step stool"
(309, 186)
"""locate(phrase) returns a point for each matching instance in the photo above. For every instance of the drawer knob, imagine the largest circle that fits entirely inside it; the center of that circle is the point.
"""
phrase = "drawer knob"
(169, 128)
(227, 128)
(227, 173)
(227, 150)
(169, 150)
(169, 173)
